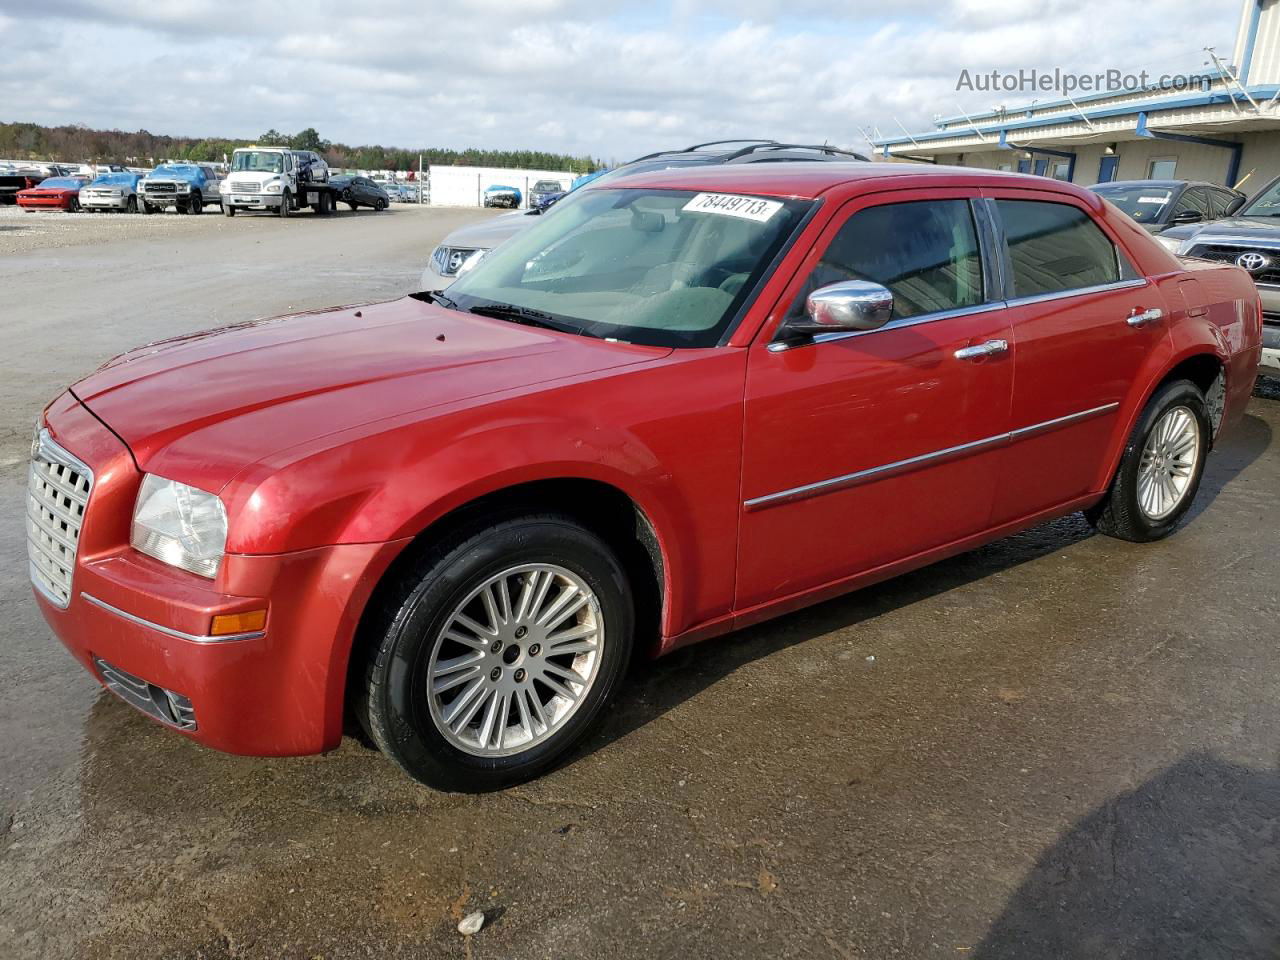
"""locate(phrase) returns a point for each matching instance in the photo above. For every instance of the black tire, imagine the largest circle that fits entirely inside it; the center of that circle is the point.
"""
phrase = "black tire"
(147, 208)
(131, 206)
(1119, 514)
(74, 205)
(283, 209)
(393, 703)
(195, 205)
(228, 210)
(380, 205)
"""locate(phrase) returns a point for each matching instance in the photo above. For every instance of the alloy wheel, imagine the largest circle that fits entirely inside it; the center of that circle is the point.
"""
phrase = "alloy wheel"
(1169, 462)
(515, 660)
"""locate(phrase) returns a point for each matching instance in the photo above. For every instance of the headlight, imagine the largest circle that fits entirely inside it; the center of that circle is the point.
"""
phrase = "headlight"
(274, 186)
(1172, 244)
(471, 261)
(224, 187)
(180, 525)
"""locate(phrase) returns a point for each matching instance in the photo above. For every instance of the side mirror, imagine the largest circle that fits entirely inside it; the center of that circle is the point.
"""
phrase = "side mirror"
(844, 307)
(1187, 216)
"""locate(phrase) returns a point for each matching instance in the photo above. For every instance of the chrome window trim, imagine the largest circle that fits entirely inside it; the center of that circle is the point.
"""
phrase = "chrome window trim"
(820, 487)
(779, 346)
(1078, 292)
(170, 631)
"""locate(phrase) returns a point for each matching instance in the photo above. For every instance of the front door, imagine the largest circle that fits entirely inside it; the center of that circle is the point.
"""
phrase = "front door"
(1083, 324)
(865, 448)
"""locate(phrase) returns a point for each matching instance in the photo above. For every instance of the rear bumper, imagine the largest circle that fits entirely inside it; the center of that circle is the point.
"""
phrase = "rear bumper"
(276, 691)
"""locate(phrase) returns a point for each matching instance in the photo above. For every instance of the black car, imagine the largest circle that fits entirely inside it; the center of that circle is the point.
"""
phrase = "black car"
(1160, 204)
(358, 192)
(545, 192)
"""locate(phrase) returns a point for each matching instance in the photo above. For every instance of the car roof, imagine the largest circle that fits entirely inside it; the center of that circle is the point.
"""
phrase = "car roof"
(808, 180)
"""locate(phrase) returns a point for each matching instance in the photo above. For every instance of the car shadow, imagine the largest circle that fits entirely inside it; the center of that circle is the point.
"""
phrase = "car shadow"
(654, 687)
(1183, 865)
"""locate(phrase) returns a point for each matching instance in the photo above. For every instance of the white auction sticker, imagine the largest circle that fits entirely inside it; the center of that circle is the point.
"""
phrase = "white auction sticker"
(732, 205)
(1152, 199)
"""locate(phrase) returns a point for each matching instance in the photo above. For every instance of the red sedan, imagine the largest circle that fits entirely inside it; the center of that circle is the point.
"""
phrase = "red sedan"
(687, 402)
(54, 193)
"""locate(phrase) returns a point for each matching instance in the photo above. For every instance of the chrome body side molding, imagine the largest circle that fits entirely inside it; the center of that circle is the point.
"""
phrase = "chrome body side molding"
(844, 482)
(170, 631)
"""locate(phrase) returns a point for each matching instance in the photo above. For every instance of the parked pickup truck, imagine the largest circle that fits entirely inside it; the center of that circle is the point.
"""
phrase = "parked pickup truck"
(278, 180)
(187, 186)
(1251, 240)
(681, 404)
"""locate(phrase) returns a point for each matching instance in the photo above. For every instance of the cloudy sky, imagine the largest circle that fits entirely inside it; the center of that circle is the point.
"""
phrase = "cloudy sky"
(612, 79)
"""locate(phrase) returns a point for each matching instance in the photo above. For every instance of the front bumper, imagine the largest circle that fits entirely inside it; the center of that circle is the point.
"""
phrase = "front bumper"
(277, 691)
(252, 201)
(43, 203)
(104, 203)
(1270, 363)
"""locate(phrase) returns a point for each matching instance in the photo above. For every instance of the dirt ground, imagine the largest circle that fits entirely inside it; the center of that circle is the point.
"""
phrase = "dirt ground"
(1058, 746)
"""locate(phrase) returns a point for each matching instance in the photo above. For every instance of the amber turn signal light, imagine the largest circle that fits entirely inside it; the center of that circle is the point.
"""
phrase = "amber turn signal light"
(225, 624)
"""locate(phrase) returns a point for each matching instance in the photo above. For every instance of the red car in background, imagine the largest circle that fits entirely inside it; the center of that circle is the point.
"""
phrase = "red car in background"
(55, 193)
(686, 402)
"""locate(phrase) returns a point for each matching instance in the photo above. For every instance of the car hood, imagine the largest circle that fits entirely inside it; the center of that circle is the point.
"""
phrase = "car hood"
(1244, 228)
(487, 234)
(202, 407)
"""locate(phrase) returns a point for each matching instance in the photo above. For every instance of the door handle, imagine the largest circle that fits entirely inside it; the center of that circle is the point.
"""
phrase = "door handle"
(1140, 318)
(989, 349)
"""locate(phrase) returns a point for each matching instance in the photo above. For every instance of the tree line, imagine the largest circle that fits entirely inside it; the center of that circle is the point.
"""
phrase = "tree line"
(80, 144)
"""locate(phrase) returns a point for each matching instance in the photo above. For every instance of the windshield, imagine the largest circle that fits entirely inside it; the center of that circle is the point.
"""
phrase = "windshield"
(1265, 204)
(114, 180)
(1144, 204)
(175, 170)
(659, 267)
(547, 186)
(259, 161)
(56, 182)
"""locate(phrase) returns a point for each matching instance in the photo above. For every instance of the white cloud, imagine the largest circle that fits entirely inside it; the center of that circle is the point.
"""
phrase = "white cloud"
(611, 79)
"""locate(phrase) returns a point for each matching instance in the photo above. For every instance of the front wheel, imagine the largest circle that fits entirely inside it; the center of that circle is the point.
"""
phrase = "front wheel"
(380, 205)
(73, 206)
(228, 210)
(1160, 469)
(131, 205)
(492, 655)
(284, 204)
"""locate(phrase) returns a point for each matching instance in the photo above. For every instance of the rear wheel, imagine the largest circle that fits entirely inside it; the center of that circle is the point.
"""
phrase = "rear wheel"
(495, 652)
(1160, 469)
(196, 204)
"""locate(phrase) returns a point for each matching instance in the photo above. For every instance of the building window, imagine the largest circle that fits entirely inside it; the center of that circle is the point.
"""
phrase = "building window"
(1059, 170)
(1161, 168)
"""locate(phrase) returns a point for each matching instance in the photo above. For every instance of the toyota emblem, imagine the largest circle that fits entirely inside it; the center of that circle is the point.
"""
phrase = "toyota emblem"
(1253, 262)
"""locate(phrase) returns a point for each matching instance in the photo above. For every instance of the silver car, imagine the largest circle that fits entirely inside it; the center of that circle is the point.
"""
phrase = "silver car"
(111, 191)
(464, 247)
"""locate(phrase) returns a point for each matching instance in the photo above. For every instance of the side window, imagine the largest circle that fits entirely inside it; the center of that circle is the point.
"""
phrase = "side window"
(1223, 202)
(925, 252)
(1055, 247)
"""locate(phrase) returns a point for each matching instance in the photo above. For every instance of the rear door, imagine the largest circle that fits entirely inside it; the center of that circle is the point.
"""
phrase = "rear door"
(861, 449)
(1083, 322)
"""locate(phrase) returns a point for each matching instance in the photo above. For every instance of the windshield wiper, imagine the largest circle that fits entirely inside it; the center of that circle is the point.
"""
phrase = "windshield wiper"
(524, 315)
(437, 296)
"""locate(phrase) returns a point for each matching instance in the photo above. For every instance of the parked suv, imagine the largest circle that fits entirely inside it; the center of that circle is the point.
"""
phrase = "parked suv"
(1160, 204)
(465, 246)
(1250, 239)
(682, 403)
(189, 187)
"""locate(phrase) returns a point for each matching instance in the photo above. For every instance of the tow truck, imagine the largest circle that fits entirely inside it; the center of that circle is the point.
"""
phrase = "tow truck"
(276, 179)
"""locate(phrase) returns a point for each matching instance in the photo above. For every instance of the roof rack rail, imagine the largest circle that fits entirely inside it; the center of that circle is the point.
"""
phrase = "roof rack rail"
(821, 148)
(716, 143)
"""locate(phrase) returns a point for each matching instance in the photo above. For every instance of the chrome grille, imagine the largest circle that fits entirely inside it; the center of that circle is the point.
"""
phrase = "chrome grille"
(246, 186)
(58, 488)
(1269, 272)
(160, 188)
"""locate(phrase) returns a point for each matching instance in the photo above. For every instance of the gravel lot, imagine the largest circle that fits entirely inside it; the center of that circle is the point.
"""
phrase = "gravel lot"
(1058, 746)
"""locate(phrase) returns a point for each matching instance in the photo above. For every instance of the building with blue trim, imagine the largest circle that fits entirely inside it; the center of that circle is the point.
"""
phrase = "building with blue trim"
(1225, 129)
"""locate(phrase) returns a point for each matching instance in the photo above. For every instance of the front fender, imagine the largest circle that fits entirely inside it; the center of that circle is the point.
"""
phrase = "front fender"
(679, 463)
